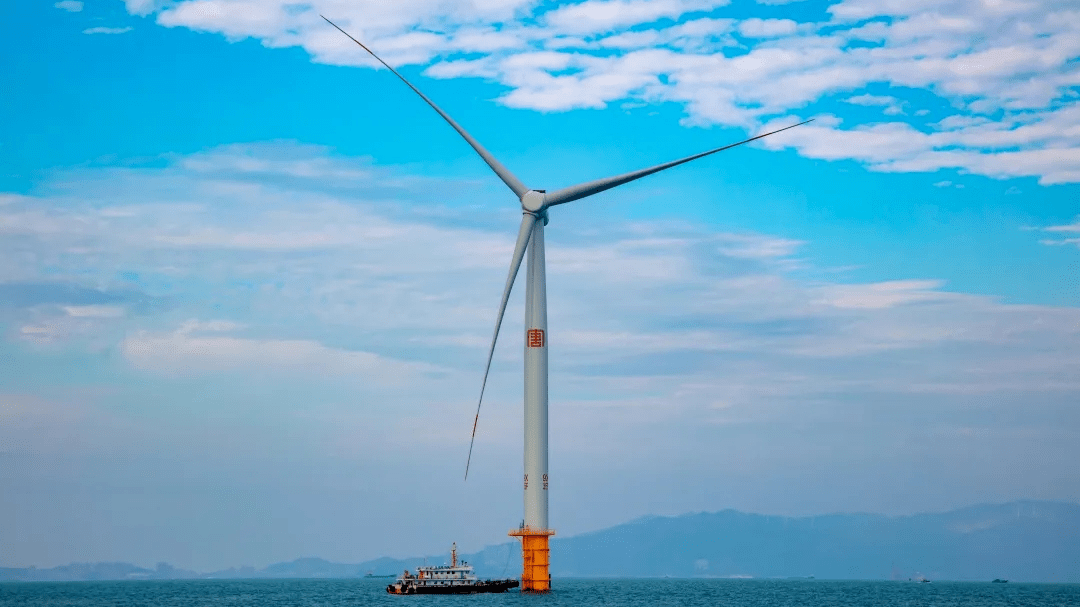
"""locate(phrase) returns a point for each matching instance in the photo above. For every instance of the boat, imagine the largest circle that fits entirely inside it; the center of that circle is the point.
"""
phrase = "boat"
(455, 578)
(999, 581)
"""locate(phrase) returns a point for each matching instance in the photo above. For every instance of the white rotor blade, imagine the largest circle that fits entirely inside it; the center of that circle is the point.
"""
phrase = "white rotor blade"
(582, 190)
(527, 221)
(508, 178)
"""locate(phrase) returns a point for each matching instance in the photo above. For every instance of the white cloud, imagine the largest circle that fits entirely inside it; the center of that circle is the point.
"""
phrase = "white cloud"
(329, 351)
(1012, 61)
(207, 326)
(107, 30)
(72, 6)
(898, 147)
(1056, 165)
(892, 105)
(255, 161)
(1062, 242)
(871, 100)
(883, 294)
(601, 16)
(63, 326)
(655, 326)
(42, 333)
(144, 7)
(943, 184)
(94, 311)
(697, 35)
(189, 350)
(877, 145)
(1066, 232)
(757, 246)
(767, 28)
(303, 257)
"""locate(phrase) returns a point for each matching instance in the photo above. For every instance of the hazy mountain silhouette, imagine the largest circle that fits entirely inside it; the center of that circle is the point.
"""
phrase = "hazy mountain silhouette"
(1032, 541)
(1019, 541)
(81, 572)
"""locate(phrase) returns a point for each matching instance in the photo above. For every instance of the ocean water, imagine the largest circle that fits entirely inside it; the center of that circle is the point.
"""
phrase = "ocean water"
(583, 593)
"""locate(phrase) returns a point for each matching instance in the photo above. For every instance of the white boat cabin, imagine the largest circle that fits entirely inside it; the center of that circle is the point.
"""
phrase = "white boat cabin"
(454, 574)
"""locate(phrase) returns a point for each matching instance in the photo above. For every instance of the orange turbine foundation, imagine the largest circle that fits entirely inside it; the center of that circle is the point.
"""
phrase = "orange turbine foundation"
(535, 574)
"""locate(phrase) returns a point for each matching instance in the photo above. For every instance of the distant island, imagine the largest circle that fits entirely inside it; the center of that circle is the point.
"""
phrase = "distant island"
(1029, 541)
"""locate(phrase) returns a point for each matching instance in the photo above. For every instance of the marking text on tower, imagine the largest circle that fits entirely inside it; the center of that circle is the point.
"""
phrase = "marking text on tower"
(535, 338)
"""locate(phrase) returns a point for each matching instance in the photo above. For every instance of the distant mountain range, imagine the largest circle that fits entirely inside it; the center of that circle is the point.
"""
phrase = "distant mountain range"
(1020, 541)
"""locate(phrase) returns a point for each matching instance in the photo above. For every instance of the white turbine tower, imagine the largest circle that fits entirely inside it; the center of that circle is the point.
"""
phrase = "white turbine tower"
(535, 532)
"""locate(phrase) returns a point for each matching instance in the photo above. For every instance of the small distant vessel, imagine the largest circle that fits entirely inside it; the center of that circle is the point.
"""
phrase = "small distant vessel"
(447, 579)
(999, 581)
(371, 574)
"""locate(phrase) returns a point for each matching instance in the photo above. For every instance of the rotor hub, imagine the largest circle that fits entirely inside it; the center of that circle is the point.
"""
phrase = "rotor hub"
(534, 201)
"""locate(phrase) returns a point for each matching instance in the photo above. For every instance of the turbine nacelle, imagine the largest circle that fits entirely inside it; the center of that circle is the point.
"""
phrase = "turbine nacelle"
(534, 201)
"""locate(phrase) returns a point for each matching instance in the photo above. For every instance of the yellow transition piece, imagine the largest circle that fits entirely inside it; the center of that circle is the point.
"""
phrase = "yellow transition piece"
(535, 575)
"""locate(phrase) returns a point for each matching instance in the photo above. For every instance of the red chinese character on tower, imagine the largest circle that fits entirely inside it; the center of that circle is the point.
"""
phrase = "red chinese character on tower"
(535, 338)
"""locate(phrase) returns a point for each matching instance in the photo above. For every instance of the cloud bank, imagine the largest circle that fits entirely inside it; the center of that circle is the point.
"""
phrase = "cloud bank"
(986, 87)
(308, 240)
(269, 332)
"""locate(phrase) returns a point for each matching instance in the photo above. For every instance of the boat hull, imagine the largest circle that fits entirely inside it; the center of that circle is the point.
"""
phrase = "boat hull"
(479, 587)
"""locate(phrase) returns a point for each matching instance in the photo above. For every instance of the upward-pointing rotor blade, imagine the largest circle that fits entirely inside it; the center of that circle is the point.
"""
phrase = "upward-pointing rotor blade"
(527, 222)
(508, 178)
(582, 190)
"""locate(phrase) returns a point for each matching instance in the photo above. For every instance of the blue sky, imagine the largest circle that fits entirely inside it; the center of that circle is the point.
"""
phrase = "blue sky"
(246, 282)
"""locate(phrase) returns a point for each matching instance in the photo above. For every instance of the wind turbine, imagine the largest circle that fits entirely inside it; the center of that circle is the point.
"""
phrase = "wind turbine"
(534, 532)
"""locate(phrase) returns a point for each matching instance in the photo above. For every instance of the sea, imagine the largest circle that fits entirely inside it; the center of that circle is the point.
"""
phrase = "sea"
(566, 592)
